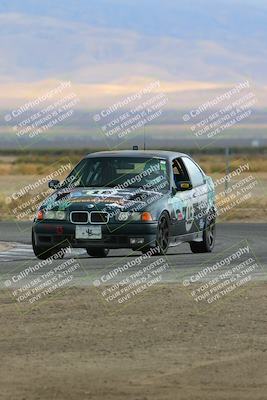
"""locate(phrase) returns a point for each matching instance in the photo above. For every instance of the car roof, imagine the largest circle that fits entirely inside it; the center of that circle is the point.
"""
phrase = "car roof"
(137, 153)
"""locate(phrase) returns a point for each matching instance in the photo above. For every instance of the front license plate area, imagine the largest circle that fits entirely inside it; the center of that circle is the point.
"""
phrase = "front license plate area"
(88, 232)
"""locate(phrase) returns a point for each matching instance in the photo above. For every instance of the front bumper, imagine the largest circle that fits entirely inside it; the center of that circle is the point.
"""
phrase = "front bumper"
(114, 236)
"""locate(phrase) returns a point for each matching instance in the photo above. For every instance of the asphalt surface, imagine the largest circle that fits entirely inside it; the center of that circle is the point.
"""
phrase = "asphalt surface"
(180, 262)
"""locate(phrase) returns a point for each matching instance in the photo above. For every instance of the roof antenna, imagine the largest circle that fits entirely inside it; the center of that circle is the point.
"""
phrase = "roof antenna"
(136, 147)
(144, 137)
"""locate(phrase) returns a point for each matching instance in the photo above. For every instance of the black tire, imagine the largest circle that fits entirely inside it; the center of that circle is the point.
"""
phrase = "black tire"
(146, 249)
(100, 253)
(163, 236)
(43, 253)
(208, 242)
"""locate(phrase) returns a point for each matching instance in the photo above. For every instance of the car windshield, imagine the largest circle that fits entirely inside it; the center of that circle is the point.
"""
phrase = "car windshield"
(120, 172)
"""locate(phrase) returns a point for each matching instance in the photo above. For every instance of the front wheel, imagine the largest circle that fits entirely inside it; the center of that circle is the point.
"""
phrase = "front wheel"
(208, 242)
(163, 237)
(163, 234)
(94, 252)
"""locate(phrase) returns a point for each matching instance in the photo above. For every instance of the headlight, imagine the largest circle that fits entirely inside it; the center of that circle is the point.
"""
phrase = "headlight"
(135, 216)
(49, 215)
(124, 216)
(60, 215)
(55, 215)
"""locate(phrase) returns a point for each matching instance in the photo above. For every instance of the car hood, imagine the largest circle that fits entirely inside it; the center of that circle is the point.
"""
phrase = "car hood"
(99, 198)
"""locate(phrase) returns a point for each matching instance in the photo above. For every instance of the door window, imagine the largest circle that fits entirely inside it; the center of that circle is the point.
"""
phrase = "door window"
(194, 172)
(179, 172)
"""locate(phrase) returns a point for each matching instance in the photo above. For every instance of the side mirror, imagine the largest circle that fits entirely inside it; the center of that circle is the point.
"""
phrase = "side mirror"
(54, 184)
(182, 186)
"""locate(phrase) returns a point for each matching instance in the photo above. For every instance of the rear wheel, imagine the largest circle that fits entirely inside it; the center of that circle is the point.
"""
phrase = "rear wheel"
(94, 252)
(208, 242)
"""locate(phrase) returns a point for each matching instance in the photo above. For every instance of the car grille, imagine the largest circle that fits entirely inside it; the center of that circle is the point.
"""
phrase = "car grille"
(84, 217)
(79, 217)
(98, 217)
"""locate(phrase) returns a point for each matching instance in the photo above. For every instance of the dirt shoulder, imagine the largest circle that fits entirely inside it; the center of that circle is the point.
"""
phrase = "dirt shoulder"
(157, 348)
(5, 246)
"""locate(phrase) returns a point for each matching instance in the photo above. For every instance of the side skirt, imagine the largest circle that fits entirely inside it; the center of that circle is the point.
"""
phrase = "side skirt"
(189, 237)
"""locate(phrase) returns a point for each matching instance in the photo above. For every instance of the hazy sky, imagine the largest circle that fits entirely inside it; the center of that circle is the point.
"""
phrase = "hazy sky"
(104, 45)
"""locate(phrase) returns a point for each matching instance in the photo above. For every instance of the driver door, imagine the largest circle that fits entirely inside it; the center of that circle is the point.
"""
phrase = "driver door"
(198, 202)
(182, 201)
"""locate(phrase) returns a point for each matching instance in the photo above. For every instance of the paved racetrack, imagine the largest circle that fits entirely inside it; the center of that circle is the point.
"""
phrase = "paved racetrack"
(180, 260)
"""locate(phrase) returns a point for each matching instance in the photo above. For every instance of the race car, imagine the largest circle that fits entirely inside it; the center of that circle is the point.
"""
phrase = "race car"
(139, 200)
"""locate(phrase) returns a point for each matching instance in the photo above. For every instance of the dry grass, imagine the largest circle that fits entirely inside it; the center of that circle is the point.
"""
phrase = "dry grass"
(253, 210)
(22, 168)
(36, 165)
(214, 164)
(18, 172)
(32, 165)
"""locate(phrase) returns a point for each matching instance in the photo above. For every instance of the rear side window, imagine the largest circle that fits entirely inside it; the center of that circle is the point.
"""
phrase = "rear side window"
(194, 172)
